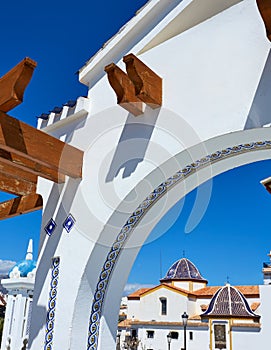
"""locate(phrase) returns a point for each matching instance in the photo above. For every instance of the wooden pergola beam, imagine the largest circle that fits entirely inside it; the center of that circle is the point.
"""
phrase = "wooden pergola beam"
(16, 186)
(264, 7)
(26, 168)
(9, 169)
(36, 146)
(14, 83)
(20, 205)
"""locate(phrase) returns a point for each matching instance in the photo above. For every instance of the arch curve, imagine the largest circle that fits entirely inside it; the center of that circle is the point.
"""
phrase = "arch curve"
(223, 153)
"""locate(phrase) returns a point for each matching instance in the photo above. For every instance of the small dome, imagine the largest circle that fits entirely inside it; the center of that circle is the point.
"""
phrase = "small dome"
(26, 266)
(183, 269)
(23, 268)
(229, 301)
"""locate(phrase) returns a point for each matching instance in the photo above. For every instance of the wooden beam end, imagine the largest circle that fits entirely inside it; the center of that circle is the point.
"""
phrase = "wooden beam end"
(148, 85)
(124, 89)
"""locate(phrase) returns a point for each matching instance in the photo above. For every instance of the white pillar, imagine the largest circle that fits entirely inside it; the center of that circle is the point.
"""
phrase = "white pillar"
(20, 286)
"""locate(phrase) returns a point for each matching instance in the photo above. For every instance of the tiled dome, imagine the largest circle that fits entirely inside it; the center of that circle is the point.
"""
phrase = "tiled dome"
(183, 269)
(24, 267)
(229, 301)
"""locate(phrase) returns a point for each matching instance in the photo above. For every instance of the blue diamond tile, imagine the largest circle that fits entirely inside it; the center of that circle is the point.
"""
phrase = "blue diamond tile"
(69, 223)
(50, 227)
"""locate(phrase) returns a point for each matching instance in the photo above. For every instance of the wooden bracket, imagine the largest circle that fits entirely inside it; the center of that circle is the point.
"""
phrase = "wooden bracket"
(139, 85)
(14, 83)
(264, 7)
(124, 89)
(148, 85)
(20, 205)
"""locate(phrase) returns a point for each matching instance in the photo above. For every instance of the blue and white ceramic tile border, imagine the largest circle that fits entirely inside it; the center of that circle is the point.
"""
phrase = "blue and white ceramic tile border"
(50, 319)
(137, 215)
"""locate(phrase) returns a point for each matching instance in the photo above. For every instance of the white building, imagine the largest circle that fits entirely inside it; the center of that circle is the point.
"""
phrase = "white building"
(219, 317)
(198, 71)
(20, 286)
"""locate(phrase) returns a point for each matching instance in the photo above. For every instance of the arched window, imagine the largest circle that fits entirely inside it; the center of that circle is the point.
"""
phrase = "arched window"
(163, 306)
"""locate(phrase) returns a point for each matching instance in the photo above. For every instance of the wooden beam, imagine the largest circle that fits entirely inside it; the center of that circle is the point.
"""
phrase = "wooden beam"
(16, 186)
(20, 205)
(28, 168)
(264, 7)
(36, 146)
(14, 83)
(124, 89)
(9, 169)
(148, 85)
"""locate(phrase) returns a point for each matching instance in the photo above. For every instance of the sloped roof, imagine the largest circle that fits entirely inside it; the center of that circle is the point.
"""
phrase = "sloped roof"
(208, 292)
(128, 323)
(143, 291)
(137, 293)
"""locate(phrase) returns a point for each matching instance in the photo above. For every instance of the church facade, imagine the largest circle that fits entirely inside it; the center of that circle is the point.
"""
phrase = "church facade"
(183, 312)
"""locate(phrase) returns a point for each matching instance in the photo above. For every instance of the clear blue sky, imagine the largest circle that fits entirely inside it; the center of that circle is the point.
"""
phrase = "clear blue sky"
(232, 239)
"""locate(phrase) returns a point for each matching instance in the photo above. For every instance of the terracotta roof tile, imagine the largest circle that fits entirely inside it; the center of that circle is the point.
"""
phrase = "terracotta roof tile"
(128, 323)
(208, 292)
(254, 306)
(138, 293)
(125, 323)
(247, 325)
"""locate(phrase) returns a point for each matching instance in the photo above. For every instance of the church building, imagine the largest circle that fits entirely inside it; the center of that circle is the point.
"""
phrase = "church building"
(183, 312)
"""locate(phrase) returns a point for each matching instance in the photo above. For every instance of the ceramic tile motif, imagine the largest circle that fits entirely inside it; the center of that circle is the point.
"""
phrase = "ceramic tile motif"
(134, 219)
(69, 223)
(50, 227)
(50, 319)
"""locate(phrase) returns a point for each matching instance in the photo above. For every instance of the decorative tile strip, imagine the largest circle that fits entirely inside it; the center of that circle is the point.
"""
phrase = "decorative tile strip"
(137, 215)
(52, 305)
(29, 317)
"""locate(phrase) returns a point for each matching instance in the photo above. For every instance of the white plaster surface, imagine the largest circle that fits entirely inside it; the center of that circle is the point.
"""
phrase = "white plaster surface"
(210, 77)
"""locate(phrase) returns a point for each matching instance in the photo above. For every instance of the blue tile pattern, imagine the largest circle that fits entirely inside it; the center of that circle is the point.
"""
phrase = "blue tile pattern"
(50, 319)
(69, 223)
(137, 215)
(228, 301)
(183, 269)
(50, 227)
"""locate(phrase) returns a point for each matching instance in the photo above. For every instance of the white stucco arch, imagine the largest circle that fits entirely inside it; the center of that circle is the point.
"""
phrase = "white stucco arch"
(216, 74)
(242, 147)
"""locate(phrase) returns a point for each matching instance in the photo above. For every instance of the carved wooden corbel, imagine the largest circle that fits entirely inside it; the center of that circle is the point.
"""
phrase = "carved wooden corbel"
(124, 89)
(140, 84)
(264, 7)
(148, 85)
(14, 83)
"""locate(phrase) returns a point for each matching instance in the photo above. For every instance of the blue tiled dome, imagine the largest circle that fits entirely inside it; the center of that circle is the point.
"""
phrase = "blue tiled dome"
(24, 267)
(183, 269)
(229, 301)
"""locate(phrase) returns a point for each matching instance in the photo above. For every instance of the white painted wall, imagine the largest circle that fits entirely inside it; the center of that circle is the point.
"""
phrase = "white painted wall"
(210, 75)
